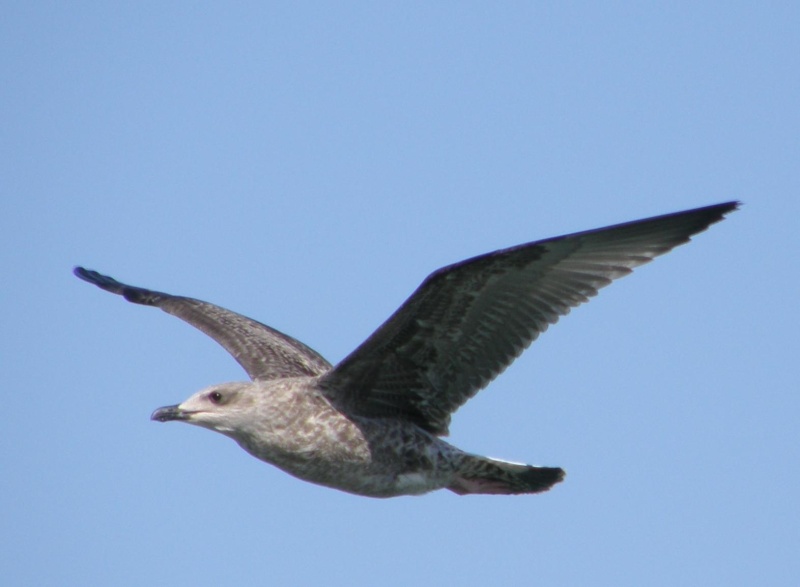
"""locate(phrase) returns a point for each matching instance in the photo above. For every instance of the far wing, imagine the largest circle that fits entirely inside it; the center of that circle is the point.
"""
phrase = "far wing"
(467, 322)
(264, 352)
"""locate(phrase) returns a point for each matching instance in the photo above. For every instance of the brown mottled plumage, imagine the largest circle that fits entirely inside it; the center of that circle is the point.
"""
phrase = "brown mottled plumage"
(372, 424)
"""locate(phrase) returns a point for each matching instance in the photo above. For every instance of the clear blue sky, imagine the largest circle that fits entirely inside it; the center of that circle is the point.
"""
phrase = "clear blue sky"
(308, 164)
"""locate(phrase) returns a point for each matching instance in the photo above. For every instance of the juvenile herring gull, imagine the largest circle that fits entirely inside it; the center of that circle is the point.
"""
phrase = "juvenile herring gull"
(372, 425)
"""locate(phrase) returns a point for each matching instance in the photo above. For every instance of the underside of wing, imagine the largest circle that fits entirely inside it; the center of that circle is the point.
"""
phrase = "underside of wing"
(468, 321)
(263, 352)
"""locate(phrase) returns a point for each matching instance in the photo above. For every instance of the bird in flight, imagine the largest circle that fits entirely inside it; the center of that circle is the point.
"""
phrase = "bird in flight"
(373, 424)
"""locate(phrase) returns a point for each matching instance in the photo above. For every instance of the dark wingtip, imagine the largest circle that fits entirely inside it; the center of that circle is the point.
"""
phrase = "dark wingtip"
(98, 279)
(727, 207)
(709, 215)
(136, 295)
(716, 212)
(88, 275)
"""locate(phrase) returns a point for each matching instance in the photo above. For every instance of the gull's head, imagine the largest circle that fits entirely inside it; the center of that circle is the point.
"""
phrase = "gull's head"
(224, 407)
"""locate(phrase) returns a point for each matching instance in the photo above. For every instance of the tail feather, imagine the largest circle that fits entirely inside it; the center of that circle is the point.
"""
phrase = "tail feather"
(490, 476)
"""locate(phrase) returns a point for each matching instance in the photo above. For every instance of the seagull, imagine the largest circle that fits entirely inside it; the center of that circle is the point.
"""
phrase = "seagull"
(373, 424)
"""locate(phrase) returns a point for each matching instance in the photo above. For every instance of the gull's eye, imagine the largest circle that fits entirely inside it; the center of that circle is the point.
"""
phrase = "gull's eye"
(215, 397)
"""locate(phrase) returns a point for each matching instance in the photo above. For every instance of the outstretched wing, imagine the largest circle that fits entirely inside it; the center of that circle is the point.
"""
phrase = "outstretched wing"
(468, 321)
(264, 352)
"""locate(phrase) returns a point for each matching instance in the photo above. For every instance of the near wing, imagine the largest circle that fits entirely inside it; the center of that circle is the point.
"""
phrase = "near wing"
(468, 321)
(264, 352)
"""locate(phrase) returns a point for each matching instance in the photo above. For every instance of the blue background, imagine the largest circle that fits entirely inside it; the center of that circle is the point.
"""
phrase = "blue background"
(308, 164)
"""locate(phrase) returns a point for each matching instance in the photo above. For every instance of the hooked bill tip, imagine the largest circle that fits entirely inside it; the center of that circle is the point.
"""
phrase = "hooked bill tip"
(168, 413)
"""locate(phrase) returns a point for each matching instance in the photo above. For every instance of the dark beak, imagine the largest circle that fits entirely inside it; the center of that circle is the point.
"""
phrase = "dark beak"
(168, 413)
